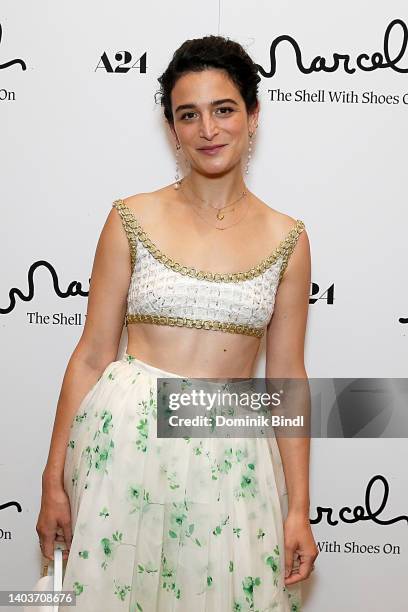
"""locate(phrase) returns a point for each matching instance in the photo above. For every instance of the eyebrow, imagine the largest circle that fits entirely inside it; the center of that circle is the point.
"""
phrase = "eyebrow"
(213, 103)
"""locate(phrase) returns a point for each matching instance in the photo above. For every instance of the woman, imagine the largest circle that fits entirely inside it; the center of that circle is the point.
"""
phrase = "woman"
(158, 524)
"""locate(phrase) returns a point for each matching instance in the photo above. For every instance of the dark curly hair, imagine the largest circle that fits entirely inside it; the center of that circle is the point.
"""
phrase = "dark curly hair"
(210, 51)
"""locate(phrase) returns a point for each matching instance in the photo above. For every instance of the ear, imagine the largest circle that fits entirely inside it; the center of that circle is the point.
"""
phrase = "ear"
(173, 132)
(253, 119)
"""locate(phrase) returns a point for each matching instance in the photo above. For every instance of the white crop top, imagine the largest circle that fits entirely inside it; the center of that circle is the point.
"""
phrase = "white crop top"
(165, 292)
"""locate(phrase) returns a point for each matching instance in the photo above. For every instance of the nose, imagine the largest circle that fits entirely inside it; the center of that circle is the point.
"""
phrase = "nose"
(208, 126)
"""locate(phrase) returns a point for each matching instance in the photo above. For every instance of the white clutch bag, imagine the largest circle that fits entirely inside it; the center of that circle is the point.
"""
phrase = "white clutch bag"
(51, 580)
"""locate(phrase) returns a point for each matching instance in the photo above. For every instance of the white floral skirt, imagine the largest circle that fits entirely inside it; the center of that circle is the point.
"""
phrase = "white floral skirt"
(159, 524)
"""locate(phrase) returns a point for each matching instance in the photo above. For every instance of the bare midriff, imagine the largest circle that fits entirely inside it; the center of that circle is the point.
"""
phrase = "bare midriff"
(193, 352)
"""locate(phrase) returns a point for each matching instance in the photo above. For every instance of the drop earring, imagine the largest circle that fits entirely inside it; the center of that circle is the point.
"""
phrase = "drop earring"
(177, 177)
(249, 152)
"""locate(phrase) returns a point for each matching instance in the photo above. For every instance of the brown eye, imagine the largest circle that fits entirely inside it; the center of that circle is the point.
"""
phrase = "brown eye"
(185, 115)
(226, 108)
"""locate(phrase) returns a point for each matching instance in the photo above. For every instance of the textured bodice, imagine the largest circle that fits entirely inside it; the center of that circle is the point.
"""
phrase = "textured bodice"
(163, 291)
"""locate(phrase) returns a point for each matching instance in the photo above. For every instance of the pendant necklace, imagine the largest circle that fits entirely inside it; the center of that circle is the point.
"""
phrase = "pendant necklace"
(220, 215)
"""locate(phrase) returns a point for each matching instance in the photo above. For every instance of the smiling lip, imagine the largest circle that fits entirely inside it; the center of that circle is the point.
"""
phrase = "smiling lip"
(211, 149)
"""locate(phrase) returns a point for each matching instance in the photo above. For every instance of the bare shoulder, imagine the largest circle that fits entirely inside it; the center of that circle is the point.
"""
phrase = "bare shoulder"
(148, 206)
(297, 264)
(279, 224)
(139, 203)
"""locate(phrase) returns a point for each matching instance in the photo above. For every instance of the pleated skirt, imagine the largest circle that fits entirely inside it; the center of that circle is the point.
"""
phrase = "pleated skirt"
(160, 524)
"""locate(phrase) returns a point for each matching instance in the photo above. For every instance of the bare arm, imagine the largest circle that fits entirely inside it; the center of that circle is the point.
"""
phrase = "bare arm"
(99, 341)
(285, 359)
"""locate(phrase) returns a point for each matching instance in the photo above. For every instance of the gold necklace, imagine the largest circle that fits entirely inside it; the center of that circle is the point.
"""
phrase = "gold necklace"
(219, 214)
(221, 228)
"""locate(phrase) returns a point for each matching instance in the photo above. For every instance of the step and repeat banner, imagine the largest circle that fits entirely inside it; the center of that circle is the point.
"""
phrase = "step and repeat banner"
(80, 128)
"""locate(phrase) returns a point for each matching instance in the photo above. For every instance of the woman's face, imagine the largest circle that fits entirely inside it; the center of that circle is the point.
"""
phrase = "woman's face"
(209, 110)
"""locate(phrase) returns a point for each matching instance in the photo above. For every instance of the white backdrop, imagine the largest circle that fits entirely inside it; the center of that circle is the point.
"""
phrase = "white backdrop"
(75, 136)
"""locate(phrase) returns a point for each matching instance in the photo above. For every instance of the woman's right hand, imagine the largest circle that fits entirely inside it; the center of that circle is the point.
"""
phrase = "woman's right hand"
(54, 520)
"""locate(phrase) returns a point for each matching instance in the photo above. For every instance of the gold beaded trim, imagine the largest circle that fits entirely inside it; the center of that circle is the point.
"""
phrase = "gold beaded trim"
(132, 227)
(234, 328)
(289, 248)
(129, 230)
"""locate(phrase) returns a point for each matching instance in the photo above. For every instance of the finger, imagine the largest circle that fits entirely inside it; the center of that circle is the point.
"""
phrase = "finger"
(60, 538)
(296, 562)
(288, 561)
(67, 530)
(47, 546)
(301, 572)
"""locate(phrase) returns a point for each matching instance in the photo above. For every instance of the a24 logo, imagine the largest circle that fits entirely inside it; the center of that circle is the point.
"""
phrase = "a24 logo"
(123, 61)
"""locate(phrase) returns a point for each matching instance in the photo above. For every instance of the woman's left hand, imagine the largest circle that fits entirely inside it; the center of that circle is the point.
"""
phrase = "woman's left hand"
(298, 540)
